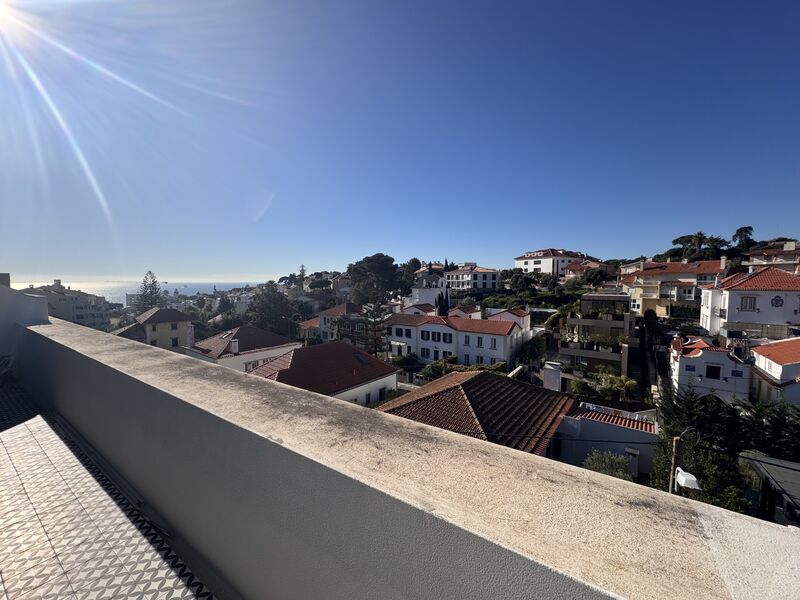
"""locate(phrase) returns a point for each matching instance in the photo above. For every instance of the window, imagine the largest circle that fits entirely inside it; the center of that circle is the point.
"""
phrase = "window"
(493, 344)
(398, 331)
(466, 359)
(748, 303)
(713, 371)
(537, 262)
(447, 338)
(369, 397)
(425, 352)
(492, 360)
(388, 331)
(690, 368)
(435, 355)
(382, 394)
(479, 360)
(408, 350)
(154, 343)
(480, 341)
(174, 342)
(425, 335)
(526, 262)
(484, 276)
(466, 340)
(153, 327)
(737, 373)
(173, 326)
(475, 278)
(446, 354)
(436, 336)
(399, 350)
(408, 333)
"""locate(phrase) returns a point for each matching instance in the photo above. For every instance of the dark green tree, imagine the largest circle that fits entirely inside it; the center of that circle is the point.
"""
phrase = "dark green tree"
(149, 293)
(743, 237)
(373, 278)
(608, 463)
(269, 309)
(594, 277)
(374, 332)
(224, 305)
(408, 275)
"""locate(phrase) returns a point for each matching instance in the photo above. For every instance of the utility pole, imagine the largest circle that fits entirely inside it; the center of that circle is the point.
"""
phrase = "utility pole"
(675, 441)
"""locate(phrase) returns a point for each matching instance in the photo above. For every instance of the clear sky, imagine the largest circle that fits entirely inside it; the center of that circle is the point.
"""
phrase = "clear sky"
(236, 140)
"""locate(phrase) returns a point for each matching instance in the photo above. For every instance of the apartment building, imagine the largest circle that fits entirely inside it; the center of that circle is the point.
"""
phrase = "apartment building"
(469, 341)
(662, 285)
(74, 306)
(697, 365)
(776, 372)
(550, 261)
(601, 332)
(744, 306)
(784, 255)
(162, 327)
(340, 322)
(427, 289)
(471, 278)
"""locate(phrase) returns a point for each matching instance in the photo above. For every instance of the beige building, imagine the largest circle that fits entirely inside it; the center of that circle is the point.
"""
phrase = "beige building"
(74, 305)
(162, 327)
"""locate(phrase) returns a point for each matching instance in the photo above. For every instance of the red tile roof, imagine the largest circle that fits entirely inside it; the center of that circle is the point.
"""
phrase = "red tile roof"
(783, 352)
(327, 369)
(699, 267)
(162, 315)
(345, 308)
(456, 323)
(580, 412)
(555, 253)
(487, 406)
(309, 324)
(517, 312)
(422, 307)
(250, 339)
(468, 310)
(764, 279)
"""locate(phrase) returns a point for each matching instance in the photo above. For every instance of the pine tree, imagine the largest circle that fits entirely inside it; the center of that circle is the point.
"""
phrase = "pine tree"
(149, 293)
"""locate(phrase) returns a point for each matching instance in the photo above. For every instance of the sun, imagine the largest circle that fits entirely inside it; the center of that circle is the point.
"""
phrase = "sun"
(6, 16)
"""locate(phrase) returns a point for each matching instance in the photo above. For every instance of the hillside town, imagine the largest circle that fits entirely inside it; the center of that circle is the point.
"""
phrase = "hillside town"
(687, 360)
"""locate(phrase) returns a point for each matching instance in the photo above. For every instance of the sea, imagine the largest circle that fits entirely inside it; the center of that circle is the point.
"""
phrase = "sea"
(114, 291)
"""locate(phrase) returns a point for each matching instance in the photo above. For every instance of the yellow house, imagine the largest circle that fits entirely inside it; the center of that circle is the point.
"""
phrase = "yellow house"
(162, 327)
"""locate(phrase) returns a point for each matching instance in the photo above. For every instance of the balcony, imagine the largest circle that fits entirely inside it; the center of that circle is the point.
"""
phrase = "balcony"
(261, 490)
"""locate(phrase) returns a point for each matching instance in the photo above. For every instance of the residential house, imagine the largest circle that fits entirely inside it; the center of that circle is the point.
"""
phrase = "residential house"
(577, 269)
(590, 427)
(775, 487)
(74, 306)
(341, 285)
(487, 406)
(162, 327)
(662, 285)
(776, 371)
(309, 329)
(419, 309)
(340, 322)
(744, 306)
(428, 289)
(469, 341)
(518, 315)
(549, 261)
(784, 255)
(466, 312)
(469, 277)
(697, 365)
(428, 267)
(242, 348)
(337, 369)
(601, 332)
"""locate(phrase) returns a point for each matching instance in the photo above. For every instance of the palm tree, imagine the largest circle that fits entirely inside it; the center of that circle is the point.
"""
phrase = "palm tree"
(698, 240)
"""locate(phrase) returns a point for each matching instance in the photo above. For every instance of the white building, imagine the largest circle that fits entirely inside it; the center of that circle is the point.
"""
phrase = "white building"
(776, 372)
(336, 369)
(761, 304)
(470, 341)
(161, 327)
(465, 312)
(784, 255)
(520, 316)
(418, 309)
(550, 261)
(340, 321)
(74, 305)
(427, 289)
(242, 348)
(706, 369)
(471, 277)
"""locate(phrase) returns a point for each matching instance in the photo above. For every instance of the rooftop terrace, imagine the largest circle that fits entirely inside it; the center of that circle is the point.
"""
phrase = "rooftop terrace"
(268, 491)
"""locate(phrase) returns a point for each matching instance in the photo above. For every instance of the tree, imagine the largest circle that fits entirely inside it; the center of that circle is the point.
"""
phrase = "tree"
(201, 302)
(269, 309)
(467, 301)
(698, 240)
(374, 341)
(442, 303)
(449, 266)
(743, 237)
(408, 275)
(224, 305)
(595, 277)
(608, 463)
(685, 242)
(715, 246)
(550, 282)
(319, 284)
(149, 293)
(373, 277)
(302, 273)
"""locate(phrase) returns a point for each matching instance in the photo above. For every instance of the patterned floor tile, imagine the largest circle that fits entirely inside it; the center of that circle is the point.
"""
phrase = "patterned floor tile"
(57, 588)
(31, 579)
(14, 564)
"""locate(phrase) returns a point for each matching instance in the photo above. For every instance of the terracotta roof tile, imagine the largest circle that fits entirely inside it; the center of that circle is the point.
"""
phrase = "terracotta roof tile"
(764, 279)
(612, 419)
(487, 406)
(783, 352)
(457, 323)
(162, 315)
(327, 369)
(345, 308)
(250, 339)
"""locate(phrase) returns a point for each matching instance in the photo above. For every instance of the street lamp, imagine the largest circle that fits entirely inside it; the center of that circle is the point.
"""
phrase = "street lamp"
(677, 476)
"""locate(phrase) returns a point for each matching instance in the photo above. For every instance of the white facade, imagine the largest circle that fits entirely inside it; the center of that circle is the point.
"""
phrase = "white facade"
(708, 371)
(552, 262)
(521, 318)
(437, 341)
(246, 361)
(427, 289)
(777, 380)
(463, 313)
(722, 309)
(470, 276)
(370, 392)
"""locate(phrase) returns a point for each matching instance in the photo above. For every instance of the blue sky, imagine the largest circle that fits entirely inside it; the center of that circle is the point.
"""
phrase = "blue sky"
(237, 140)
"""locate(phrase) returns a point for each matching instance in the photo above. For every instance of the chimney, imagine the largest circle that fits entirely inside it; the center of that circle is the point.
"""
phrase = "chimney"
(723, 262)
(5, 279)
(684, 260)
(669, 259)
(235, 346)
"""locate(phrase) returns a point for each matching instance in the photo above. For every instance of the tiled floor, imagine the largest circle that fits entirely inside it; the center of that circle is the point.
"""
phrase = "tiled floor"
(65, 531)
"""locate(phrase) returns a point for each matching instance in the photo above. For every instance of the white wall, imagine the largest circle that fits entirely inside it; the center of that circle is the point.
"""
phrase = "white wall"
(727, 387)
(373, 388)
(237, 362)
(18, 308)
(765, 313)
